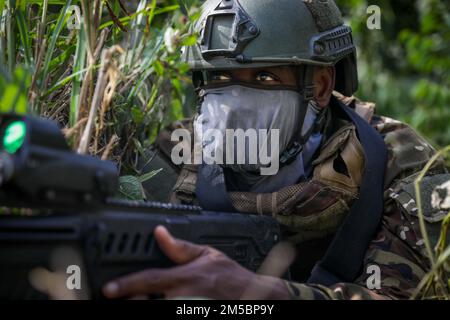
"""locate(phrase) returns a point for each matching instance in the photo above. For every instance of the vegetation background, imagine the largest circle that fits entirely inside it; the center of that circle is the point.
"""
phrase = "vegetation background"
(405, 66)
(114, 78)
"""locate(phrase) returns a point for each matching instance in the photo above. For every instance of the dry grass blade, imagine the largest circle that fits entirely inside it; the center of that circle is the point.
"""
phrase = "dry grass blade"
(32, 94)
(98, 94)
(70, 132)
(110, 146)
(107, 72)
(114, 17)
(432, 284)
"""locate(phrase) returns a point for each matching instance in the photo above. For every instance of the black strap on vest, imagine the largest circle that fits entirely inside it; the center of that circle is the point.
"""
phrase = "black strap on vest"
(344, 257)
(211, 191)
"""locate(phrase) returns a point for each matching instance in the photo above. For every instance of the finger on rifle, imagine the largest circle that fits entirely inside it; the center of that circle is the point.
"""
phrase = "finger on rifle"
(151, 281)
(179, 251)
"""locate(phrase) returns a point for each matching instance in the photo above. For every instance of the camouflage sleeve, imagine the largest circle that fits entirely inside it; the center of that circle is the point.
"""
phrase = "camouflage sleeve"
(340, 291)
(393, 266)
(396, 260)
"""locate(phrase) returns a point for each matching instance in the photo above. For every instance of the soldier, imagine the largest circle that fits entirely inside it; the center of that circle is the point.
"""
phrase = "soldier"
(344, 192)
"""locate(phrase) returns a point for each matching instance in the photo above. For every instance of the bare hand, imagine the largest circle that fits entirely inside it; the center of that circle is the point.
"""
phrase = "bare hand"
(202, 271)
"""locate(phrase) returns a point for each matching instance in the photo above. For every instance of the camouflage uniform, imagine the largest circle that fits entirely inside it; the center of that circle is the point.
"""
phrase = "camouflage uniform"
(313, 210)
(398, 247)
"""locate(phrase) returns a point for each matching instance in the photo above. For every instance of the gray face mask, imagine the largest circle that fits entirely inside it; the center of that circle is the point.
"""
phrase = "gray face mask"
(276, 112)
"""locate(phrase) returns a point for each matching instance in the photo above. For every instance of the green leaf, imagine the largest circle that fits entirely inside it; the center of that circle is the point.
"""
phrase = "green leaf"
(189, 40)
(177, 85)
(137, 114)
(131, 188)
(13, 92)
(139, 148)
(183, 7)
(152, 12)
(166, 9)
(52, 2)
(79, 64)
(149, 175)
(147, 70)
(62, 58)
(10, 37)
(65, 81)
(24, 36)
(444, 257)
(21, 4)
(125, 20)
(51, 48)
(159, 68)
(177, 109)
(13, 100)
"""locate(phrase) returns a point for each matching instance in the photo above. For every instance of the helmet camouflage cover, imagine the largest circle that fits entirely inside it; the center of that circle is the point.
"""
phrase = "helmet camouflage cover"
(237, 34)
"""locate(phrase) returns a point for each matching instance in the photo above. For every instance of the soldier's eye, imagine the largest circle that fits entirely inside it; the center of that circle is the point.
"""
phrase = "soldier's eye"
(266, 77)
(220, 77)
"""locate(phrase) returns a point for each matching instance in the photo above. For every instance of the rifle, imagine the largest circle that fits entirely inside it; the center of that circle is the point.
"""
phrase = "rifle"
(73, 218)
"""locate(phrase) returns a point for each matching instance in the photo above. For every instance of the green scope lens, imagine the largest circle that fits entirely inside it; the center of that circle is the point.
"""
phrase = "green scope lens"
(14, 136)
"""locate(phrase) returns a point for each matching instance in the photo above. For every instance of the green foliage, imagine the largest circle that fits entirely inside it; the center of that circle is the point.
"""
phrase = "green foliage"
(404, 67)
(131, 188)
(13, 97)
(436, 283)
(112, 77)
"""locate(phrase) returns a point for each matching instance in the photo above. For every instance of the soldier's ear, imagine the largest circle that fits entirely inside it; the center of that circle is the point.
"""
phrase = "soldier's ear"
(324, 81)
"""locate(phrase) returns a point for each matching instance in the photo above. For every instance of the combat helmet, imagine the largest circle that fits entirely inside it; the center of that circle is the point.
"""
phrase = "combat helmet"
(235, 34)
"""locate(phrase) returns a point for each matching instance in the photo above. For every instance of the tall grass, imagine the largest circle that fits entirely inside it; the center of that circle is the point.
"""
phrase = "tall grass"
(111, 76)
(436, 284)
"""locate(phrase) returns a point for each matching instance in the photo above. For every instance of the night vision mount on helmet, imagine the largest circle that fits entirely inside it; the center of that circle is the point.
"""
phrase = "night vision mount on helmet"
(262, 33)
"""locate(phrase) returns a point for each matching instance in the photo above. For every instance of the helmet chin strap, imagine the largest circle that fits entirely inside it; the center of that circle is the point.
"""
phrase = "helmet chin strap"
(306, 90)
(198, 79)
